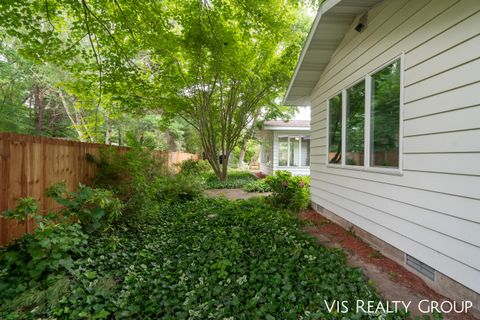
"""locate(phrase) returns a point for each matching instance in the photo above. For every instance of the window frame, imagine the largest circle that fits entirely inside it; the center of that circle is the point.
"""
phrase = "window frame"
(299, 151)
(335, 165)
(367, 130)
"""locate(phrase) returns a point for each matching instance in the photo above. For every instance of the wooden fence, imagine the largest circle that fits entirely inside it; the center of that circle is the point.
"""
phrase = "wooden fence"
(30, 164)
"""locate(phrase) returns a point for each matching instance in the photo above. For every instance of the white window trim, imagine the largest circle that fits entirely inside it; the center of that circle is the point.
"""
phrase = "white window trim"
(288, 136)
(368, 90)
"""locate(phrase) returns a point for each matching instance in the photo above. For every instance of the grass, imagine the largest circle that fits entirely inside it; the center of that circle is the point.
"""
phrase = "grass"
(235, 180)
(204, 259)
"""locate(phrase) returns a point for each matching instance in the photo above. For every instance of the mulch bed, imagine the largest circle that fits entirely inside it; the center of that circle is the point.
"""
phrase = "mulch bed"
(356, 246)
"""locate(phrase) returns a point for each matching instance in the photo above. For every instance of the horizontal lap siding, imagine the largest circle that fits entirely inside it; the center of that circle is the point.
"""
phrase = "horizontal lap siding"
(432, 210)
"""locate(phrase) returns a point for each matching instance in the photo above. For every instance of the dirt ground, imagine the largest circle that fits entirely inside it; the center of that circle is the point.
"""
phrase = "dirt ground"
(392, 281)
(233, 194)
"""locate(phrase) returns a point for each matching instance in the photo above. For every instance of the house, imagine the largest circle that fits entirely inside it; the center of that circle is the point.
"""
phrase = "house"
(394, 88)
(285, 145)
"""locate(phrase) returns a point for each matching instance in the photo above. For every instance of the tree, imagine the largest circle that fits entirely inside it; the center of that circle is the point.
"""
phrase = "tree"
(214, 63)
(227, 61)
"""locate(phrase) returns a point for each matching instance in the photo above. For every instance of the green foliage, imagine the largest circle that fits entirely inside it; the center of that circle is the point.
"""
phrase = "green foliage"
(235, 180)
(26, 209)
(178, 189)
(209, 258)
(194, 168)
(49, 249)
(93, 208)
(131, 176)
(59, 235)
(289, 191)
(259, 185)
(252, 151)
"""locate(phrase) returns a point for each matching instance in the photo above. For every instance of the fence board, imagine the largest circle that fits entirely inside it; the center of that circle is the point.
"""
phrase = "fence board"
(30, 164)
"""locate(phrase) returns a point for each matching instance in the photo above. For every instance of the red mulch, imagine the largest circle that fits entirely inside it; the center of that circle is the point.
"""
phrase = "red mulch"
(260, 175)
(352, 243)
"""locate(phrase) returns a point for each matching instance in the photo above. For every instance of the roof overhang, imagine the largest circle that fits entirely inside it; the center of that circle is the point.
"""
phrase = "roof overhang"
(332, 22)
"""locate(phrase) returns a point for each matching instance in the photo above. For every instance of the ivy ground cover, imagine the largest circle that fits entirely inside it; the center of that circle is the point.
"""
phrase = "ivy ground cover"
(204, 259)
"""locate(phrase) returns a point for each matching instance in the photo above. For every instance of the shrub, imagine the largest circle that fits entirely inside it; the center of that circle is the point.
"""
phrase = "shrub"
(194, 168)
(178, 188)
(93, 208)
(131, 176)
(50, 248)
(59, 235)
(257, 186)
(291, 192)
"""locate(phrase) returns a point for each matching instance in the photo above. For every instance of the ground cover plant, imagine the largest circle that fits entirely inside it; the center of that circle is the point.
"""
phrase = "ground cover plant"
(259, 185)
(202, 259)
(235, 179)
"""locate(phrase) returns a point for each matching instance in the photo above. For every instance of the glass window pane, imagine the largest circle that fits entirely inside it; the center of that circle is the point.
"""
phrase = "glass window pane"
(335, 129)
(294, 151)
(355, 135)
(282, 151)
(305, 153)
(385, 117)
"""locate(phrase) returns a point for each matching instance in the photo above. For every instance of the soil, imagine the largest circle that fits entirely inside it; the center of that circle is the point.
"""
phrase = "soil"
(392, 281)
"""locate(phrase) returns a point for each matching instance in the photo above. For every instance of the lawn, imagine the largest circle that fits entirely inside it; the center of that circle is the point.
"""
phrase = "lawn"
(204, 259)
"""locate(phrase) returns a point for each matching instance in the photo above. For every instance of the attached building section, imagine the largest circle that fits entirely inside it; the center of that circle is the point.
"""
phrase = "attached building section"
(430, 207)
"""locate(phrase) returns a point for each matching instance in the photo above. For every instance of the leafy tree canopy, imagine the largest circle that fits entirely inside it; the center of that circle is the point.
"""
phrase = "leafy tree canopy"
(214, 63)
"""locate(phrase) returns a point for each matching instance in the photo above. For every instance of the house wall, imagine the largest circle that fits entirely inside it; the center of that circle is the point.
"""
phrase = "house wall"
(296, 171)
(431, 209)
(267, 146)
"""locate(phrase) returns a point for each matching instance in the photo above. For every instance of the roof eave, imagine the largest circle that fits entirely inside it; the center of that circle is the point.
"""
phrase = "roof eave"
(334, 19)
(327, 5)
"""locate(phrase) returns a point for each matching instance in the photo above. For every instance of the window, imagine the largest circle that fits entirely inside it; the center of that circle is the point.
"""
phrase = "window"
(355, 125)
(385, 117)
(364, 121)
(294, 155)
(293, 151)
(335, 129)
(283, 151)
(305, 152)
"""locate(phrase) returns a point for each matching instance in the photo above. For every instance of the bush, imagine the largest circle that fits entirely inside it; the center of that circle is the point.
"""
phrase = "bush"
(291, 192)
(257, 186)
(92, 208)
(131, 176)
(59, 235)
(235, 179)
(178, 188)
(195, 168)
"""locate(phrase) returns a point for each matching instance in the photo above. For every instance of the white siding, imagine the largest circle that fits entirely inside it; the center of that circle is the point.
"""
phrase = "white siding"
(296, 171)
(267, 147)
(431, 210)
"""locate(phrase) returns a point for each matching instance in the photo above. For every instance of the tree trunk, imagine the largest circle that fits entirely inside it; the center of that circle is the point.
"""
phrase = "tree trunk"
(243, 149)
(76, 123)
(248, 136)
(107, 135)
(39, 109)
